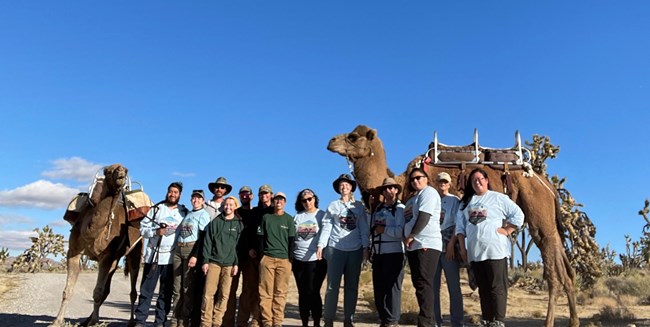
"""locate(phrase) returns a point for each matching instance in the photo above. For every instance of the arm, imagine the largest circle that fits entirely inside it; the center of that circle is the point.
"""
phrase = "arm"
(364, 229)
(514, 217)
(326, 230)
(207, 243)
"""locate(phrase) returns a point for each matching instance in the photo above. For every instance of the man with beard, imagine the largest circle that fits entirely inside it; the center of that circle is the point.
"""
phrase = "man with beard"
(249, 301)
(158, 229)
(220, 188)
(244, 213)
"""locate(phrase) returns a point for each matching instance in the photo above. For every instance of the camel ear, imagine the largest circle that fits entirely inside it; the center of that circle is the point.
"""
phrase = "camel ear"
(370, 135)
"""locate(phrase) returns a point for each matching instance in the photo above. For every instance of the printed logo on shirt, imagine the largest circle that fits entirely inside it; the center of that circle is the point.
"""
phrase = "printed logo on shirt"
(171, 225)
(348, 223)
(380, 218)
(307, 230)
(186, 230)
(477, 214)
(442, 215)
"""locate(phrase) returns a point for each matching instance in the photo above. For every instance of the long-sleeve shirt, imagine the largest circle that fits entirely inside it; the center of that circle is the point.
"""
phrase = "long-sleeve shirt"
(220, 243)
(345, 226)
(392, 219)
(148, 228)
(479, 222)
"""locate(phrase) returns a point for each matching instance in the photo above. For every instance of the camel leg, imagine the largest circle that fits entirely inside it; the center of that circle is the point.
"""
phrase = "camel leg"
(73, 264)
(569, 287)
(133, 260)
(107, 266)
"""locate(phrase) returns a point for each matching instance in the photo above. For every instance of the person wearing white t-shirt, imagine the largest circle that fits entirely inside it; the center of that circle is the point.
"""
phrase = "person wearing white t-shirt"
(159, 230)
(308, 271)
(486, 218)
(423, 241)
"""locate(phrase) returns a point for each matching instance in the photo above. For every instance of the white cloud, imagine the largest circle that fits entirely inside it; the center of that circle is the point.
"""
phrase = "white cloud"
(74, 168)
(40, 194)
(14, 219)
(16, 239)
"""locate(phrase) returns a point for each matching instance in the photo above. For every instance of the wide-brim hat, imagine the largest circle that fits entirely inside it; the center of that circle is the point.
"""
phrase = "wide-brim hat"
(389, 181)
(220, 181)
(346, 178)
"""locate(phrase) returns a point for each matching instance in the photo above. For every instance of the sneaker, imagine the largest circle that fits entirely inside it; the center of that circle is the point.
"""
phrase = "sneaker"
(328, 323)
(348, 323)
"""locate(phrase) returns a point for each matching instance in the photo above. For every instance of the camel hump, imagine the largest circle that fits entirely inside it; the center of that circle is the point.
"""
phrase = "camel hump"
(474, 153)
(77, 205)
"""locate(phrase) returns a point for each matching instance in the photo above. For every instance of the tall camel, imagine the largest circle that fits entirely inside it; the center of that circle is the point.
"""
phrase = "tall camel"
(534, 194)
(104, 233)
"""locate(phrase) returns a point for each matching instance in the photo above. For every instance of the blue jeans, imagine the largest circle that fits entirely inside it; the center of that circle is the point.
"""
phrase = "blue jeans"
(340, 263)
(150, 278)
(452, 273)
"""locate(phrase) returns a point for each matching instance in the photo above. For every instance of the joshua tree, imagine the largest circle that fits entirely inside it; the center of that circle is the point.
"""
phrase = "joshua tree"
(45, 244)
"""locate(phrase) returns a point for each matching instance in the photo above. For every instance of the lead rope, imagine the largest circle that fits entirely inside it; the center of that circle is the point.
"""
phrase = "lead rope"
(114, 201)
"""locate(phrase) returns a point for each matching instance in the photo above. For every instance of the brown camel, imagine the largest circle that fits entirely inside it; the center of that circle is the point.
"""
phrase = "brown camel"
(534, 194)
(104, 233)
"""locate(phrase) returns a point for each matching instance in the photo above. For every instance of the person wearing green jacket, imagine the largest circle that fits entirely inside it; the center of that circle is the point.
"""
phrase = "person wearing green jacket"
(219, 262)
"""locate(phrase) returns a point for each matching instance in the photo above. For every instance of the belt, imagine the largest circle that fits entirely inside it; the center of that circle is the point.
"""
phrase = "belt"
(185, 244)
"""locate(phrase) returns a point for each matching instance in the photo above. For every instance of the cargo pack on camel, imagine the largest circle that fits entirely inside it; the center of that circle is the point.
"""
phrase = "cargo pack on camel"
(508, 172)
(105, 226)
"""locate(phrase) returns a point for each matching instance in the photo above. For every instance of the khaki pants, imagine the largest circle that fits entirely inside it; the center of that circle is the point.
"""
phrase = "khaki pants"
(274, 284)
(217, 282)
(184, 287)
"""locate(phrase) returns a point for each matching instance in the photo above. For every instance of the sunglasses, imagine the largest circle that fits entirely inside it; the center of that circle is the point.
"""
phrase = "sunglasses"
(417, 178)
(223, 187)
(305, 200)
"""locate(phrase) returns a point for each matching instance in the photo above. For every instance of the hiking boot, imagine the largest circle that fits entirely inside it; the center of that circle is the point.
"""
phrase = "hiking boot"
(348, 323)
(328, 323)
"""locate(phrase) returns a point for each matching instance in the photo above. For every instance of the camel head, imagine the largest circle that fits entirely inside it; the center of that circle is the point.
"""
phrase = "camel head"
(366, 151)
(355, 145)
(115, 177)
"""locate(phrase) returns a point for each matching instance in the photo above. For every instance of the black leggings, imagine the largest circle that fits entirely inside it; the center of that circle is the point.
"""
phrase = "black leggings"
(309, 279)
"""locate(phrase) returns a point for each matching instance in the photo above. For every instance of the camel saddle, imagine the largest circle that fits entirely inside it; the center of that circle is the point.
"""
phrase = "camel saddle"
(443, 154)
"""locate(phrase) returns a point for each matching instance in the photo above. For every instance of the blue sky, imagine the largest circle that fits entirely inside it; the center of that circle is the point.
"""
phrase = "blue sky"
(254, 90)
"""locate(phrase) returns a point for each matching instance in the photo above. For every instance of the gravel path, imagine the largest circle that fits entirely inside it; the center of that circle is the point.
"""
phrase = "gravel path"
(36, 298)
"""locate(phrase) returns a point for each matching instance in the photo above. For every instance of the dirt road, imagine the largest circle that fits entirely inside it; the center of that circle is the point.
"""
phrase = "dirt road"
(34, 299)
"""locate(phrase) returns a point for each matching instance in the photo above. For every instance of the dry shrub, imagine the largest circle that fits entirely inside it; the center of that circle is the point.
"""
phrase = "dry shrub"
(633, 284)
(538, 314)
(614, 313)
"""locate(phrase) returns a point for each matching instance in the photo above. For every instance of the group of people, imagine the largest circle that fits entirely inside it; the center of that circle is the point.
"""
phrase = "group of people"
(198, 255)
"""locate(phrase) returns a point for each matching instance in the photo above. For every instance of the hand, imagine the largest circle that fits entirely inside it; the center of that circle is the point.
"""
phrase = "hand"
(379, 229)
(503, 231)
(319, 253)
(408, 241)
(252, 253)
(449, 253)
(192, 262)
(205, 268)
(463, 254)
(160, 231)
(235, 270)
(366, 254)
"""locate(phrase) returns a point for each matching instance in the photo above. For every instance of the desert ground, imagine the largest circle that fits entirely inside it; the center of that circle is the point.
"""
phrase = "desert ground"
(33, 300)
